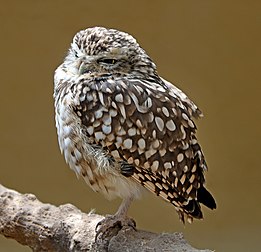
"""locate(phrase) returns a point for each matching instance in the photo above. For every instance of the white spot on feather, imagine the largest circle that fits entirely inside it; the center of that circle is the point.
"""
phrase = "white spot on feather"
(141, 143)
(155, 165)
(132, 132)
(106, 129)
(99, 135)
(170, 125)
(159, 122)
(180, 157)
(165, 111)
(90, 130)
(119, 98)
(127, 143)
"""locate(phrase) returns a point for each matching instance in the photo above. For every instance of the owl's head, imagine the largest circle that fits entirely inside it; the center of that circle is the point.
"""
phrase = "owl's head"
(101, 52)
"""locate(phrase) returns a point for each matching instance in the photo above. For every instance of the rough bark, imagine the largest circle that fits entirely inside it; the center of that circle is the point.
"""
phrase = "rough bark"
(45, 227)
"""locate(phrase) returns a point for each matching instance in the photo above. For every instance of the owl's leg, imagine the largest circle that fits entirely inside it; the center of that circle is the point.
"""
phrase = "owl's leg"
(119, 219)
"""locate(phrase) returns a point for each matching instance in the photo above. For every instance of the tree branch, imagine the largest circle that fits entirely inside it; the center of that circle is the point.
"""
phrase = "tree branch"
(45, 227)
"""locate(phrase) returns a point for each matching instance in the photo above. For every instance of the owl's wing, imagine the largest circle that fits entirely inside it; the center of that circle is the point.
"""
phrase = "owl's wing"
(149, 125)
(193, 109)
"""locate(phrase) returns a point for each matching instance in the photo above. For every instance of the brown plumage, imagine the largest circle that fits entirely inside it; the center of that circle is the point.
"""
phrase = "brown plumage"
(124, 128)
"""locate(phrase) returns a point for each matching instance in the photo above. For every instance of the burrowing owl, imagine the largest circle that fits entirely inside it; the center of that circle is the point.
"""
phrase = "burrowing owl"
(123, 128)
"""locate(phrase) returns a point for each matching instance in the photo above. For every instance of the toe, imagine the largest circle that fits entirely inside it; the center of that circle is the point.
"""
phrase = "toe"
(113, 222)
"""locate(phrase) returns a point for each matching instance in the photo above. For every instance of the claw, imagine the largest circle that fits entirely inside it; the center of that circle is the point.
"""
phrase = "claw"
(111, 222)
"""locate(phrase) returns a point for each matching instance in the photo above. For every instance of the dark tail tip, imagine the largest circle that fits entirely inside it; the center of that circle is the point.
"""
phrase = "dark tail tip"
(193, 209)
(205, 197)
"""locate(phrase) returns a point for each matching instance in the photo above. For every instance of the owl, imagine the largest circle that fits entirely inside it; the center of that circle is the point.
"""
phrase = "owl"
(124, 129)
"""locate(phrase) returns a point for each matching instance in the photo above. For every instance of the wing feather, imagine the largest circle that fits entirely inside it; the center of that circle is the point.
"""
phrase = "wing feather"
(151, 128)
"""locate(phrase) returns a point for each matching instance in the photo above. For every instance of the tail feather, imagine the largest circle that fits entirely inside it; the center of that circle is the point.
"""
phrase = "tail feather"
(193, 209)
(206, 198)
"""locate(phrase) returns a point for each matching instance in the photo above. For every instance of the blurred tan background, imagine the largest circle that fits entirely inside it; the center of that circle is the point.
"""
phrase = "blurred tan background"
(210, 49)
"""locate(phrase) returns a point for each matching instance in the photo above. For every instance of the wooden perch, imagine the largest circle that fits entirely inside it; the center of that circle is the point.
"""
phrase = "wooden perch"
(45, 227)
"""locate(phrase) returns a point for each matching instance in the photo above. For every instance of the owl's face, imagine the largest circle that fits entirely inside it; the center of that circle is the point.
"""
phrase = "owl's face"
(101, 52)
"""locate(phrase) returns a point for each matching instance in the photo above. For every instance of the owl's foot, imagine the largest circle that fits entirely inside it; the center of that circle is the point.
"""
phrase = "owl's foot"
(112, 224)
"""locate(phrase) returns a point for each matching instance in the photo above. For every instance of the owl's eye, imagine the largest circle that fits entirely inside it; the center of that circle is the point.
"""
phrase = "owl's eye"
(107, 61)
